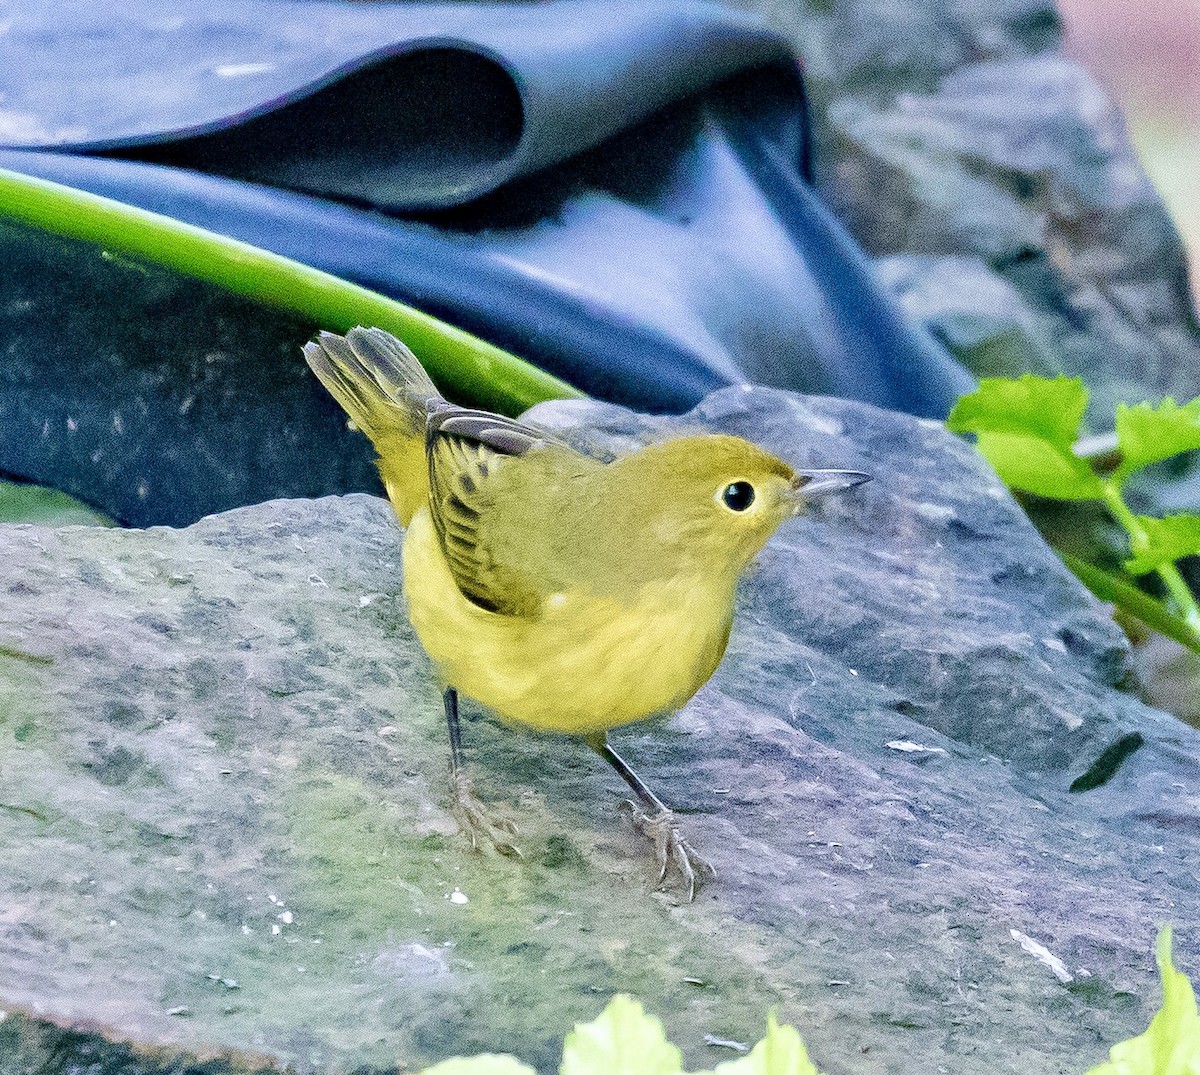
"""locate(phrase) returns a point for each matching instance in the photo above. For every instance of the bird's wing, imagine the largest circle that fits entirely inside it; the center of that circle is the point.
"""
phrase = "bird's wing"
(491, 490)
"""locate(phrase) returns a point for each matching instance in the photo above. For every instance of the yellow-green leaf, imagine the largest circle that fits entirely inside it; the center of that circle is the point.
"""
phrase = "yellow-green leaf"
(1036, 465)
(1027, 428)
(1147, 434)
(1167, 540)
(484, 1064)
(21, 502)
(1046, 408)
(781, 1052)
(1171, 1044)
(622, 1040)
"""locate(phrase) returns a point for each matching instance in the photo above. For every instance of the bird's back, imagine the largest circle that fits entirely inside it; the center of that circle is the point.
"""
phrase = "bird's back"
(513, 518)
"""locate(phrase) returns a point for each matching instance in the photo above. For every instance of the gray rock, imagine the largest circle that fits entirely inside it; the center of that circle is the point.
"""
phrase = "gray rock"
(226, 817)
(949, 131)
(1025, 165)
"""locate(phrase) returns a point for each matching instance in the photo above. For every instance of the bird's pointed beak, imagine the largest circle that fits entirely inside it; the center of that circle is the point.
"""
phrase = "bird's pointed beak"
(810, 485)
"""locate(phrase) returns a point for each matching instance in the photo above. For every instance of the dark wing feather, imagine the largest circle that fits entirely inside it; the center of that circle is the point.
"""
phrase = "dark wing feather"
(470, 453)
(503, 436)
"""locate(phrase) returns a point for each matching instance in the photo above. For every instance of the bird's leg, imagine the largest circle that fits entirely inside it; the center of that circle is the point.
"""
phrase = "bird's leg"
(473, 817)
(656, 822)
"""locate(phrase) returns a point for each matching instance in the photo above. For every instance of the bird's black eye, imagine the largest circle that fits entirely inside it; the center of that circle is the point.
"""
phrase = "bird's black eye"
(738, 496)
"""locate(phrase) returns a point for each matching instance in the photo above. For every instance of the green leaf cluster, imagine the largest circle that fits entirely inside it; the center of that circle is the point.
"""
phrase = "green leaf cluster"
(1171, 1044)
(1028, 428)
(625, 1040)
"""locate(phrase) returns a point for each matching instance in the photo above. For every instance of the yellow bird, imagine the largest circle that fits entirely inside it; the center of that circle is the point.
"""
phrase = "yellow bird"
(564, 593)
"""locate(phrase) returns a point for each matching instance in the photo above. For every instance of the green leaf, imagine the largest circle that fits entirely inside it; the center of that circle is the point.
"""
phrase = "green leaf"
(1147, 434)
(622, 1040)
(21, 502)
(1038, 466)
(1168, 540)
(781, 1052)
(1171, 1044)
(484, 1064)
(1026, 429)
(1048, 409)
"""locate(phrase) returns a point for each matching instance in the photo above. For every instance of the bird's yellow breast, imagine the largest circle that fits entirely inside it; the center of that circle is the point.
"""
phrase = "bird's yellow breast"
(586, 663)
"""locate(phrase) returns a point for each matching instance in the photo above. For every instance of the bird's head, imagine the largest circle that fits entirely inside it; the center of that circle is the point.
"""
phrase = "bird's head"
(717, 498)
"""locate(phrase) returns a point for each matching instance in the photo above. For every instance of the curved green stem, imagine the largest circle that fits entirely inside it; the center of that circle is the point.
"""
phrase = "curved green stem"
(461, 363)
(1169, 573)
(1135, 602)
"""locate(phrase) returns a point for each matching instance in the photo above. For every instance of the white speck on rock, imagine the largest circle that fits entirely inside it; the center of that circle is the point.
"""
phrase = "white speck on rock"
(1043, 955)
(937, 513)
(412, 962)
(241, 70)
(726, 1043)
(908, 747)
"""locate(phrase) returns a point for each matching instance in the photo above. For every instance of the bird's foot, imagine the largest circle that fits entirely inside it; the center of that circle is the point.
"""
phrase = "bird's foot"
(670, 848)
(477, 822)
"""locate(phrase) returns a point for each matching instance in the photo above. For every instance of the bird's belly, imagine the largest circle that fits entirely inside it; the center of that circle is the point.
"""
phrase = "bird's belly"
(587, 663)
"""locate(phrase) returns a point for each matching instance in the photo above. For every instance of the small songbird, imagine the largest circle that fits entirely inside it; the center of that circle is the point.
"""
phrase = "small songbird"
(564, 593)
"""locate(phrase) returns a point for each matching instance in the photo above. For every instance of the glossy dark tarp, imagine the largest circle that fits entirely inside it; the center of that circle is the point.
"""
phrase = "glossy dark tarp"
(614, 191)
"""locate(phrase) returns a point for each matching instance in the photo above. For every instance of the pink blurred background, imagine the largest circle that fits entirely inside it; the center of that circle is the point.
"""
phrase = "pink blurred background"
(1146, 53)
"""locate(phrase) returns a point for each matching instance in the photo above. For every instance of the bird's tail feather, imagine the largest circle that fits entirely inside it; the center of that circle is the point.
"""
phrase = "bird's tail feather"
(383, 388)
(376, 379)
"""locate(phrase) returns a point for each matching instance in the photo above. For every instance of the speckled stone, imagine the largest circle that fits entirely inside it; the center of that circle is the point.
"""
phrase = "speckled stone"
(227, 826)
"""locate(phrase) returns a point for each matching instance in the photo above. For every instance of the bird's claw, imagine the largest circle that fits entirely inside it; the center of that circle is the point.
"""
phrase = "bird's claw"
(475, 820)
(669, 846)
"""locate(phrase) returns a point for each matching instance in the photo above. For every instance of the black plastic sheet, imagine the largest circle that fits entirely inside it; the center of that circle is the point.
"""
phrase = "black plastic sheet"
(617, 192)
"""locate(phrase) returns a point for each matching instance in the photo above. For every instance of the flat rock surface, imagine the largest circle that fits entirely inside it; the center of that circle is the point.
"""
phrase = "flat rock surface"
(227, 828)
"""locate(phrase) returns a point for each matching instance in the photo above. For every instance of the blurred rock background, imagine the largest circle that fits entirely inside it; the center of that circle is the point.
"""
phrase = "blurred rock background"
(1147, 56)
(994, 179)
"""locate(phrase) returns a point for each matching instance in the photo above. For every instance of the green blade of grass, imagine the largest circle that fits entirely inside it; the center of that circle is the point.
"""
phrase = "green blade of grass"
(463, 365)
